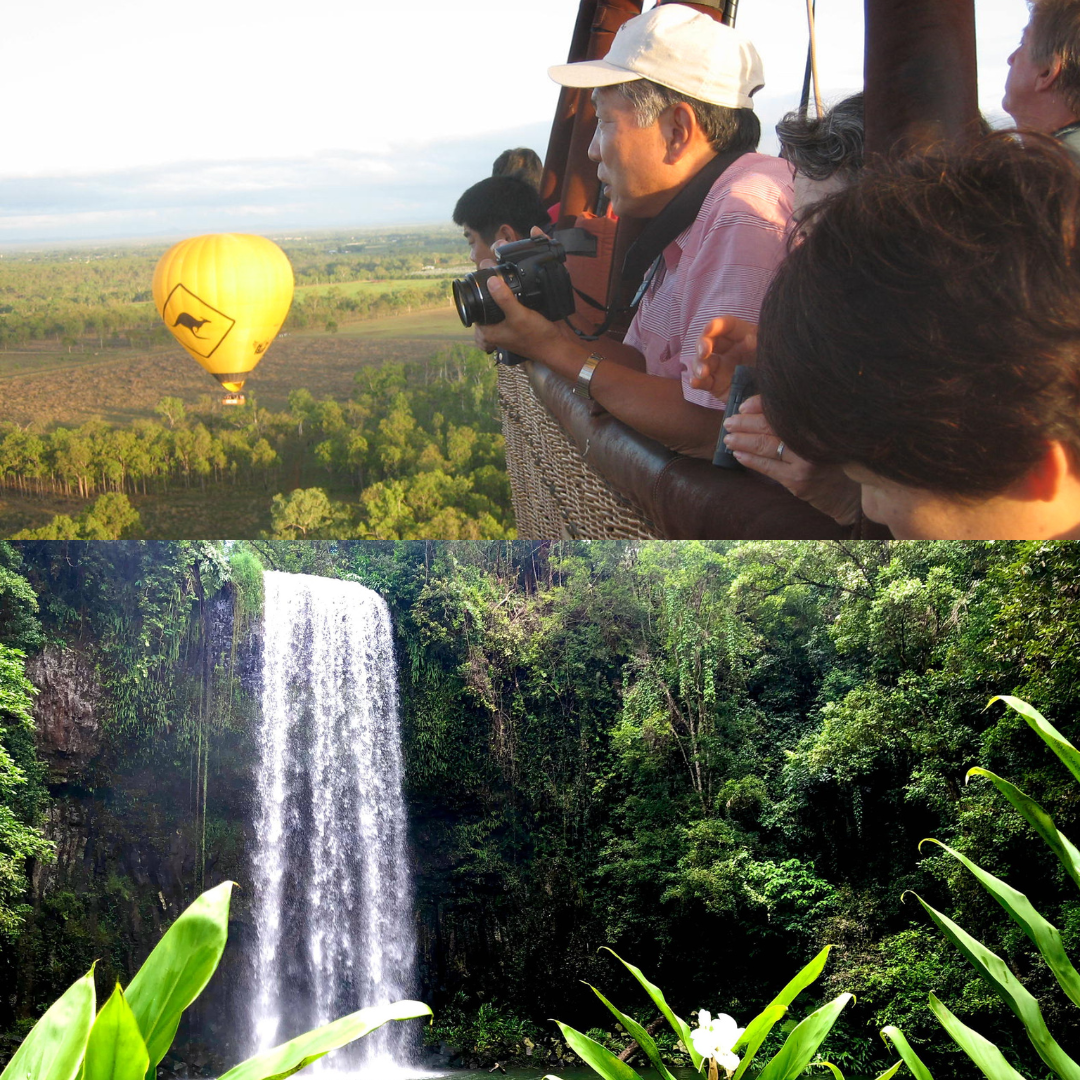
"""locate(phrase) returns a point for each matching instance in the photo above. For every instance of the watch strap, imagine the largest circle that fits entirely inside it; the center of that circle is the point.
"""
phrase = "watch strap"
(584, 380)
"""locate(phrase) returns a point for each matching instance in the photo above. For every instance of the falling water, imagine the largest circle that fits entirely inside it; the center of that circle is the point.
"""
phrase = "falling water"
(332, 895)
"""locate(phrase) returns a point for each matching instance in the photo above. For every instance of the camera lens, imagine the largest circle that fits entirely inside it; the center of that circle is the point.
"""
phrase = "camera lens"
(473, 302)
(465, 299)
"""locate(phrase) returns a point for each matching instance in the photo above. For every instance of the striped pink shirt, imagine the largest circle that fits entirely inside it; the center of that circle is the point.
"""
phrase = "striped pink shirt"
(721, 265)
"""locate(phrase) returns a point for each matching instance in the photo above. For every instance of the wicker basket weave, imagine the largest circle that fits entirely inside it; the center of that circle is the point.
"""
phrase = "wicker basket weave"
(556, 495)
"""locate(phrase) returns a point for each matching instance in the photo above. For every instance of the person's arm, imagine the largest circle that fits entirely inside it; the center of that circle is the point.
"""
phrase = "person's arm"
(750, 437)
(651, 405)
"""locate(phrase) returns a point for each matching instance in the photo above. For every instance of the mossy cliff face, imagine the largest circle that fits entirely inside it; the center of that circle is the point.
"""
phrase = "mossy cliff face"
(140, 826)
(67, 711)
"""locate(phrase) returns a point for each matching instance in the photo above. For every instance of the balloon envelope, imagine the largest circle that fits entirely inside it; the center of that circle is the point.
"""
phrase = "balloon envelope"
(224, 297)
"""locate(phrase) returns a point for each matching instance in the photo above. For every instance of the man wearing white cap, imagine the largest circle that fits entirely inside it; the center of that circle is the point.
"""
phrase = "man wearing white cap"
(675, 143)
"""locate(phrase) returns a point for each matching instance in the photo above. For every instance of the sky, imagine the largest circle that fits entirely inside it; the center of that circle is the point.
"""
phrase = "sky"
(130, 119)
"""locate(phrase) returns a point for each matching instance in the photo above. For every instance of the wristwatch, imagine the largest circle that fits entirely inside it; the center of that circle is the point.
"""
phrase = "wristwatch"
(584, 378)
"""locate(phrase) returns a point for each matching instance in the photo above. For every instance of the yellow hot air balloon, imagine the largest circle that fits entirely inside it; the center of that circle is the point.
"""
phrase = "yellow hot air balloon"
(224, 297)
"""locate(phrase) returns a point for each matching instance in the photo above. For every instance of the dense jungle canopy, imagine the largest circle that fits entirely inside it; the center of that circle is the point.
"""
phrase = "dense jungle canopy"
(713, 757)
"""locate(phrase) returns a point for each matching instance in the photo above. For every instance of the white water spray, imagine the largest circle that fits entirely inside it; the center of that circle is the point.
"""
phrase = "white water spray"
(333, 899)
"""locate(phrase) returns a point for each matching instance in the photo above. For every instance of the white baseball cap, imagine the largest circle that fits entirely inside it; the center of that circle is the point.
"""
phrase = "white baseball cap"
(680, 48)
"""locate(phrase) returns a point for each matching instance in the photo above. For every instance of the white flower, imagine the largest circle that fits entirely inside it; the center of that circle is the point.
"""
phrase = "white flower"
(715, 1038)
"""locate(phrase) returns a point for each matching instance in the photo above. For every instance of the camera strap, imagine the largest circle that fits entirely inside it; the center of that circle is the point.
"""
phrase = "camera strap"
(644, 257)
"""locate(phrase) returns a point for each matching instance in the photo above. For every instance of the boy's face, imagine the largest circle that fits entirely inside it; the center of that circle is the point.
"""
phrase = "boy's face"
(479, 248)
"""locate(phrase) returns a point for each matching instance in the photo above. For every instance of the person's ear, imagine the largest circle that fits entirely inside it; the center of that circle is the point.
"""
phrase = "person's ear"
(505, 234)
(678, 126)
(1047, 76)
(1044, 481)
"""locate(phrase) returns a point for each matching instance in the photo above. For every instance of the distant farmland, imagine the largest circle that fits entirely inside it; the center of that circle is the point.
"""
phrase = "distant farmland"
(47, 385)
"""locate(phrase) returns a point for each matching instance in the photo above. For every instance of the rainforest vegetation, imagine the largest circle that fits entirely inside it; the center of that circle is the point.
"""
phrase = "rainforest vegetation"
(715, 758)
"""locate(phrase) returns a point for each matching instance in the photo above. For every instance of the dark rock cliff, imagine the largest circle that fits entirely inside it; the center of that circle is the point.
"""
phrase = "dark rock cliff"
(67, 710)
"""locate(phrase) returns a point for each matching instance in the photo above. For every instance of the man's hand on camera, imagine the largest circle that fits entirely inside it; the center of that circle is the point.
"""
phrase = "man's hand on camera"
(523, 331)
(724, 343)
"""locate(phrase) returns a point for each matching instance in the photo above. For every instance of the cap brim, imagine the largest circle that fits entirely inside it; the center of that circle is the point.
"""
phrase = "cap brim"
(591, 73)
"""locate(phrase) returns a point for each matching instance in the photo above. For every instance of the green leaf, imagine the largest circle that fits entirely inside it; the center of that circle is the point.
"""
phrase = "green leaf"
(1046, 731)
(291, 1057)
(1044, 934)
(831, 1067)
(597, 1057)
(802, 1044)
(888, 1074)
(996, 972)
(984, 1053)
(116, 1050)
(1039, 820)
(678, 1025)
(177, 970)
(758, 1028)
(54, 1048)
(907, 1055)
(638, 1034)
(756, 1032)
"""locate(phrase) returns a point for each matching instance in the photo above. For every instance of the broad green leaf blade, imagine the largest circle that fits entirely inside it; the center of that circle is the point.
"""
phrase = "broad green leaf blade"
(597, 1057)
(907, 1055)
(1039, 820)
(303, 1063)
(756, 1032)
(54, 1048)
(678, 1025)
(831, 1067)
(116, 1050)
(290, 1057)
(638, 1034)
(996, 972)
(984, 1053)
(177, 970)
(1046, 731)
(888, 1074)
(1044, 934)
(802, 1044)
(762, 1024)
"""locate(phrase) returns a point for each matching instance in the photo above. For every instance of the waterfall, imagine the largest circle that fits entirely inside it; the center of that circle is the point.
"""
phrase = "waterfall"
(332, 894)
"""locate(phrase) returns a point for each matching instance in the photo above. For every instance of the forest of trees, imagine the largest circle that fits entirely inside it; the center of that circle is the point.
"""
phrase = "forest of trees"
(713, 757)
(417, 451)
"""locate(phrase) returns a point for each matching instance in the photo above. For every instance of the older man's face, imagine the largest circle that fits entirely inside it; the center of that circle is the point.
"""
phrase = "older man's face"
(629, 157)
(1020, 83)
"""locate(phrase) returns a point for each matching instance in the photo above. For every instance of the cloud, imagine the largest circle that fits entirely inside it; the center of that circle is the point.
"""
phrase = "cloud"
(406, 185)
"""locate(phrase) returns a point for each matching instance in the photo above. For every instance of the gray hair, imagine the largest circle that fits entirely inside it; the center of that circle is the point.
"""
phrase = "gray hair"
(725, 128)
(1055, 31)
(820, 147)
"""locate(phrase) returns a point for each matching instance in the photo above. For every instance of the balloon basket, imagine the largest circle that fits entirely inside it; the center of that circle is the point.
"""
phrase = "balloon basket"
(233, 399)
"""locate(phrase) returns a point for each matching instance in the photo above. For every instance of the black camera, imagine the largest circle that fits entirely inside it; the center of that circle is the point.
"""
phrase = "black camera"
(743, 385)
(535, 271)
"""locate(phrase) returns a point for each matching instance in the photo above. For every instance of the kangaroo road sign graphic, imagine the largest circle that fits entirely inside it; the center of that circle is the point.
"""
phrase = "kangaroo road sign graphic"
(198, 326)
